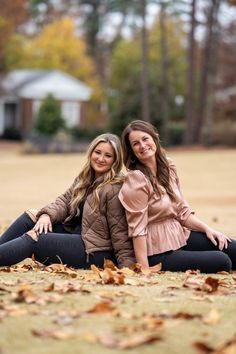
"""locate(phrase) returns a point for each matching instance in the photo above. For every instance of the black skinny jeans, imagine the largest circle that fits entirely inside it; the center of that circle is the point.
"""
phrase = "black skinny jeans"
(199, 253)
(54, 247)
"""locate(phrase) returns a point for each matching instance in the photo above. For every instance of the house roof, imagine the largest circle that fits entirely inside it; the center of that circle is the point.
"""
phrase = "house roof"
(37, 84)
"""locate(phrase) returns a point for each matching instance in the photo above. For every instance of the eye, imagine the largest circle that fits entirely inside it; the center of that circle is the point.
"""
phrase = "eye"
(98, 152)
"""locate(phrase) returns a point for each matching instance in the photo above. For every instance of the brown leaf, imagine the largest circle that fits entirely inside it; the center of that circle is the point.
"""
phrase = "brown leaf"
(186, 315)
(136, 268)
(127, 343)
(213, 284)
(109, 264)
(202, 347)
(107, 276)
(95, 270)
(50, 287)
(25, 294)
(62, 269)
(61, 334)
(102, 307)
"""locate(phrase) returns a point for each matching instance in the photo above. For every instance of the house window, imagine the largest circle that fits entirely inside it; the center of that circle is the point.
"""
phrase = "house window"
(71, 113)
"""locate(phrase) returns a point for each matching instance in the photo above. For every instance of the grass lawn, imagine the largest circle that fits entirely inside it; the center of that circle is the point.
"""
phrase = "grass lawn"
(58, 311)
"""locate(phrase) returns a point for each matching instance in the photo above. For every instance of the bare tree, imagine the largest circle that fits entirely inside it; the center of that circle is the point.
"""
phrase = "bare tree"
(191, 76)
(207, 68)
(164, 74)
(144, 61)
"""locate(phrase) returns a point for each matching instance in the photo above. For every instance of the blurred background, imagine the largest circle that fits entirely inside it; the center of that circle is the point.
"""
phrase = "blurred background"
(70, 69)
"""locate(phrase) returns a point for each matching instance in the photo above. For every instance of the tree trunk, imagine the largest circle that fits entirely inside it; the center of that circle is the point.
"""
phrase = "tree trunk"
(190, 106)
(211, 88)
(144, 70)
(164, 76)
(206, 69)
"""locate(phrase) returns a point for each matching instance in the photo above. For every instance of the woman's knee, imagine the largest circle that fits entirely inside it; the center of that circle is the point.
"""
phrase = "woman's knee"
(33, 234)
(224, 262)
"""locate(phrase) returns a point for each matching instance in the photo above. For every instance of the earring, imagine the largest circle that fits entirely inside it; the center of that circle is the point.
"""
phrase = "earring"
(133, 159)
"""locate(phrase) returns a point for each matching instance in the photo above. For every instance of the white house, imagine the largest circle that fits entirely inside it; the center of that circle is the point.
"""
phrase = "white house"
(22, 91)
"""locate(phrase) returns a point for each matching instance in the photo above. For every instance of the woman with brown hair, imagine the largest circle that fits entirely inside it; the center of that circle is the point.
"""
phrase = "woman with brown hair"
(163, 227)
(84, 225)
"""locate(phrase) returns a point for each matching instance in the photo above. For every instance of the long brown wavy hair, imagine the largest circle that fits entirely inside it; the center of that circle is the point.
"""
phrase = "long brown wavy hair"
(86, 178)
(132, 163)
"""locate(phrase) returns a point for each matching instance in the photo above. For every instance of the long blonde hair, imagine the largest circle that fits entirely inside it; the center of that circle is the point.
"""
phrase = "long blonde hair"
(87, 175)
(132, 163)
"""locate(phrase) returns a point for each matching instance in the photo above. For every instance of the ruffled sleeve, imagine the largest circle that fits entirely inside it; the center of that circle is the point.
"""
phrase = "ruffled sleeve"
(134, 196)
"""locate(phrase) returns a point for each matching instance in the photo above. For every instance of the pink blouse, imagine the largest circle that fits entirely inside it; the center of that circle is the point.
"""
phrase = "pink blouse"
(160, 220)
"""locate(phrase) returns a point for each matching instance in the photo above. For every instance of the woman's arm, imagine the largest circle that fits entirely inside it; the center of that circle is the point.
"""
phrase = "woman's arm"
(134, 196)
(214, 236)
(140, 250)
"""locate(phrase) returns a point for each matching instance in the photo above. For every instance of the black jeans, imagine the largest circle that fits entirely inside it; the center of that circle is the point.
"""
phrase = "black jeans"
(58, 246)
(199, 253)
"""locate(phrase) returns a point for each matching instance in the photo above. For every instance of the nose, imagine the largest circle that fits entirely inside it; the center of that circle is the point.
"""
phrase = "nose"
(100, 158)
(142, 144)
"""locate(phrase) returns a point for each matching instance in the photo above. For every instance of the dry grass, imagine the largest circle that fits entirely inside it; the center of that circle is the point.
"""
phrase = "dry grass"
(208, 180)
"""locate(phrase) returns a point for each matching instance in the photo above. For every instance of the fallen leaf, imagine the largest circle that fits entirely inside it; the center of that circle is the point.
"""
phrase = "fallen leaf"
(212, 283)
(102, 307)
(54, 333)
(110, 341)
(61, 269)
(109, 264)
(25, 294)
(203, 348)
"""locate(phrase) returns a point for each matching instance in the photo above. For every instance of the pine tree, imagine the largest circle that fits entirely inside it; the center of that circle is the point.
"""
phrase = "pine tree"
(49, 119)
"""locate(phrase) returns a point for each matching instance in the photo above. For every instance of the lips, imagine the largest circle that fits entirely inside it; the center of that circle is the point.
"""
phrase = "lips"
(100, 165)
(147, 150)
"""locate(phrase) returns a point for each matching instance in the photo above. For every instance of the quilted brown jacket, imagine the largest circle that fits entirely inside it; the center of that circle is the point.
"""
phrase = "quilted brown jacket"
(104, 228)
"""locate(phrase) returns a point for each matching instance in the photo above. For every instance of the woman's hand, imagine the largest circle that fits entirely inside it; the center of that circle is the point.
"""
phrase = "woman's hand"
(43, 224)
(218, 238)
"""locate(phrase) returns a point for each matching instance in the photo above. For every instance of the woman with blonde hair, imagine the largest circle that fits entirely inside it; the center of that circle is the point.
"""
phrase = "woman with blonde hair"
(163, 227)
(84, 225)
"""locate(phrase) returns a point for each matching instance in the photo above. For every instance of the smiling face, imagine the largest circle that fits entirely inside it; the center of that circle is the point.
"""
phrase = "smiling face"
(143, 146)
(102, 158)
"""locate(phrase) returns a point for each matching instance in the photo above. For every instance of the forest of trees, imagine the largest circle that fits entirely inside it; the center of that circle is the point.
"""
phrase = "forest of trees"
(169, 62)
